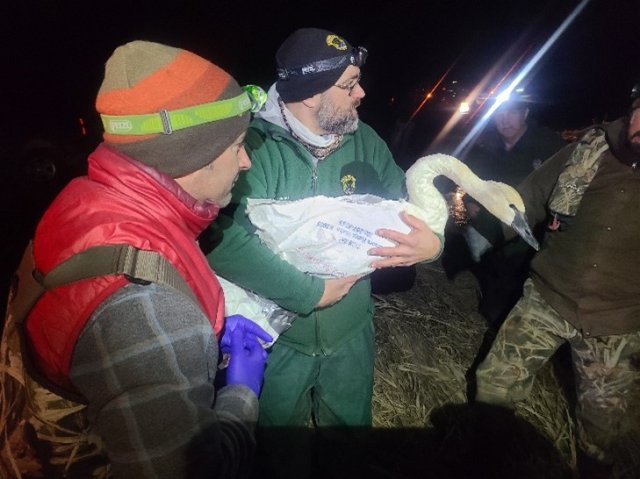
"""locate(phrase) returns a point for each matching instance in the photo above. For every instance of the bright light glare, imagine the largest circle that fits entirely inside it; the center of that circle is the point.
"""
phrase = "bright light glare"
(503, 97)
(463, 109)
(525, 70)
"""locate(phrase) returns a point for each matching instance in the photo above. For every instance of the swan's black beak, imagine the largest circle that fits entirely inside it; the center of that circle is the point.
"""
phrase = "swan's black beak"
(521, 227)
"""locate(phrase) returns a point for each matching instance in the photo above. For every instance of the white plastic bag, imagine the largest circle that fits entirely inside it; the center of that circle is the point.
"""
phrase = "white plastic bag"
(328, 237)
(262, 311)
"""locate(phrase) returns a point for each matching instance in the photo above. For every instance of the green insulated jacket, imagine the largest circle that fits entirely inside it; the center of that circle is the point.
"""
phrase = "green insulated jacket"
(282, 169)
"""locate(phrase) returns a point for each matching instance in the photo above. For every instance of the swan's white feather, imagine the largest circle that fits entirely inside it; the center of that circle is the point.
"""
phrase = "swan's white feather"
(332, 236)
(496, 197)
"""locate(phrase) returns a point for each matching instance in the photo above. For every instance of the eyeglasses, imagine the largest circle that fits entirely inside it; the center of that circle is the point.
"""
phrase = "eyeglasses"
(351, 85)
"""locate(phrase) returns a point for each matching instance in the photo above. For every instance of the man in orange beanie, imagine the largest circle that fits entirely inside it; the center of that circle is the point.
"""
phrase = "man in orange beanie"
(111, 372)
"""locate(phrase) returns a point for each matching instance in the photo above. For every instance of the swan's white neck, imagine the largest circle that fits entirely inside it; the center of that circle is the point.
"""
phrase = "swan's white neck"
(425, 195)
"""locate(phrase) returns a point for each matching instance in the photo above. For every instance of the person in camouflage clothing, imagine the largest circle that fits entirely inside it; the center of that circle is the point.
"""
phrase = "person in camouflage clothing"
(584, 289)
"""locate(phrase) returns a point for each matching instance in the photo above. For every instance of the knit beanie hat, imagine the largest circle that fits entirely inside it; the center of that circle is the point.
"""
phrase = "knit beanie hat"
(310, 60)
(154, 80)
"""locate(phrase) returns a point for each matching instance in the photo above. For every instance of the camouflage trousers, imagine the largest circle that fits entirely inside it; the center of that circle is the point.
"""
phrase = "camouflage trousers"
(606, 371)
(42, 435)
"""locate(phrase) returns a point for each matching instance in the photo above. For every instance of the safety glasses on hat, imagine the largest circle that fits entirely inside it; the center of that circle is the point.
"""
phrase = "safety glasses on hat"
(251, 99)
(357, 56)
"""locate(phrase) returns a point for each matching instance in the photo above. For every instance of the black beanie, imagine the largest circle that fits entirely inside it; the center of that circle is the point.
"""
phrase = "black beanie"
(309, 61)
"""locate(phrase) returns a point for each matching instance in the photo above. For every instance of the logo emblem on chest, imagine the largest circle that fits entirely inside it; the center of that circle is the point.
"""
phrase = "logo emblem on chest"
(348, 184)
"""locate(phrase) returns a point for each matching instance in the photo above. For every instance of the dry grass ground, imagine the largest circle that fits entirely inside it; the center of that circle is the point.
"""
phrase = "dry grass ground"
(428, 339)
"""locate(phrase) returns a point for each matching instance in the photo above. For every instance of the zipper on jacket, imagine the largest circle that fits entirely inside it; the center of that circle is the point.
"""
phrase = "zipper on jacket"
(318, 349)
(314, 180)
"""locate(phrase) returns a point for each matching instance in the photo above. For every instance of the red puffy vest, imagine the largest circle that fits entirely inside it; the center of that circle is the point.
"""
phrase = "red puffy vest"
(121, 201)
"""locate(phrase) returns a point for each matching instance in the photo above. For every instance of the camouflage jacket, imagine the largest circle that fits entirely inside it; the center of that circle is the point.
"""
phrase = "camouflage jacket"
(589, 266)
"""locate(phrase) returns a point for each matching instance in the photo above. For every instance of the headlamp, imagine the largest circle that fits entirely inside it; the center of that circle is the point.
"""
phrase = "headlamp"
(257, 96)
(357, 56)
(251, 99)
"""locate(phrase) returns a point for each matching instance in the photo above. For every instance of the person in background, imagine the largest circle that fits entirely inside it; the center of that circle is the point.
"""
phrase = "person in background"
(309, 141)
(584, 290)
(509, 150)
(118, 376)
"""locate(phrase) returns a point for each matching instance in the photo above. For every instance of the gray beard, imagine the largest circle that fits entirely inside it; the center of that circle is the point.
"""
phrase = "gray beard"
(331, 121)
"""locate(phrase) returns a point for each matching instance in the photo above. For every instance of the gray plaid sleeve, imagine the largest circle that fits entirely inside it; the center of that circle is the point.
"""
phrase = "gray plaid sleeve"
(146, 362)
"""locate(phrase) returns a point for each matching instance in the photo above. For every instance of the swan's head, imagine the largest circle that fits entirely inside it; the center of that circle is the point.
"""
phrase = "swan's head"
(505, 203)
(500, 199)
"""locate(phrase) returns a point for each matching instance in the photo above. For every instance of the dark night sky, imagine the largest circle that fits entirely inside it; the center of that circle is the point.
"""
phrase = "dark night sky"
(54, 51)
(53, 54)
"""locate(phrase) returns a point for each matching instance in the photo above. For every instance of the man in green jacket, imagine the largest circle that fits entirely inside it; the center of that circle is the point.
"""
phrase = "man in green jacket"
(309, 141)
(584, 289)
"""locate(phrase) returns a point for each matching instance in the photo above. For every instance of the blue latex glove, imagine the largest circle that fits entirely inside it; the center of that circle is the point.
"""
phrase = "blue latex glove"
(237, 321)
(247, 356)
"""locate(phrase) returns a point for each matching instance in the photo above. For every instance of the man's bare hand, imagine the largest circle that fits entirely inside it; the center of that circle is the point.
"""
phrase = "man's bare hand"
(418, 245)
(336, 289)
